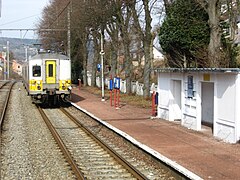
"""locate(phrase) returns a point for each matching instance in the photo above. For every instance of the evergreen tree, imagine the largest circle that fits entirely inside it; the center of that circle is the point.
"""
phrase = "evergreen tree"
(184, 35)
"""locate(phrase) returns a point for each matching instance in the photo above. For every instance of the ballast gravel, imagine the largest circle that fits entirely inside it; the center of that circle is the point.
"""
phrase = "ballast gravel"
(28, 149)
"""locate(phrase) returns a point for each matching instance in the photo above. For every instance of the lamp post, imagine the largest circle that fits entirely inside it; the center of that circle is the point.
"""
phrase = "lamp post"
(102, 68)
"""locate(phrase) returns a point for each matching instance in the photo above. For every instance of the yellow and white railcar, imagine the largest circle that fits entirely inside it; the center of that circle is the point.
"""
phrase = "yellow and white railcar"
(47, 77)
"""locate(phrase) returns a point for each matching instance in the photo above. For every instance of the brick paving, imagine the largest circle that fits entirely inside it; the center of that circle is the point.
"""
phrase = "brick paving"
(198, 152)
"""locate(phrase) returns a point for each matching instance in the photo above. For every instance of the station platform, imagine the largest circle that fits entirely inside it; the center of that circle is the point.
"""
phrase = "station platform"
(197, 154)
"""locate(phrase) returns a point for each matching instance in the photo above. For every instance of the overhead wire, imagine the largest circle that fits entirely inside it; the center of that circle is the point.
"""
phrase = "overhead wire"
(18, 20)
(59, 14)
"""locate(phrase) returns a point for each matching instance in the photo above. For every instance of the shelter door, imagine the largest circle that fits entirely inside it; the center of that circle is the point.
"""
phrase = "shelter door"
(50, 71)
(176, 91)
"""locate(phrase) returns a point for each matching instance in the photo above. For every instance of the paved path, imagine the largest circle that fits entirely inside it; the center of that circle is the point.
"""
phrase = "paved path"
(199, 152)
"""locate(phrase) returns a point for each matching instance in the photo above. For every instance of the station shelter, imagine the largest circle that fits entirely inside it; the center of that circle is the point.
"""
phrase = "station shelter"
(199, 97)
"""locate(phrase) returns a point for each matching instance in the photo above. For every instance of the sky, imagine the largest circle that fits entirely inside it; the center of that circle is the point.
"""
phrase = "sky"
(20, 14)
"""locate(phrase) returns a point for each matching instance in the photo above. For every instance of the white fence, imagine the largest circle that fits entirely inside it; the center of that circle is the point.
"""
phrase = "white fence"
(136, 87)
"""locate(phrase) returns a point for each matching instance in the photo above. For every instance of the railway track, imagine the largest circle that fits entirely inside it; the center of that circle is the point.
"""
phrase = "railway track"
(147, 164)
(5, 91)
(27, 146)
(88, 156)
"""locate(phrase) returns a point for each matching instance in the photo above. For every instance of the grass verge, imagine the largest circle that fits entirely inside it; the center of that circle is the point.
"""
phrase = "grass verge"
(134, 100)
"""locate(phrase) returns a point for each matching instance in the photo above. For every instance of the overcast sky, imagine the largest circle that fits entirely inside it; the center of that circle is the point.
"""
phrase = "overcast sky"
(20, 14)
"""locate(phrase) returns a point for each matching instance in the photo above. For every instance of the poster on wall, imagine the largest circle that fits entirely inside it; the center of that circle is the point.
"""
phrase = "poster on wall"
(190, 87)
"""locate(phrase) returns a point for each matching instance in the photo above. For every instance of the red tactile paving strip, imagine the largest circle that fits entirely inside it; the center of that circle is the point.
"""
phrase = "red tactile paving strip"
(199, 152)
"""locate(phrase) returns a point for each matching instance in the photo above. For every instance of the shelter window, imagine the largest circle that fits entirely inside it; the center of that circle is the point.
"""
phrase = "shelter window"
(36, 71)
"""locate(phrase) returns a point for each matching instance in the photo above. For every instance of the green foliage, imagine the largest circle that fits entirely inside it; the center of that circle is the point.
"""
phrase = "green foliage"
(76, 71)
(230, 50)
(77, 59)
(184, 32)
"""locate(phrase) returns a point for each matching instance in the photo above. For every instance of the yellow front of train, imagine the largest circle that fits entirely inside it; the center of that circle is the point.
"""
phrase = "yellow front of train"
(35, 76)
(49, 77)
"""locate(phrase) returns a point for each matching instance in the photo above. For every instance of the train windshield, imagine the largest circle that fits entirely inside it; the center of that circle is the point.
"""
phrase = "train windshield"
(36, 71)
(50, 70)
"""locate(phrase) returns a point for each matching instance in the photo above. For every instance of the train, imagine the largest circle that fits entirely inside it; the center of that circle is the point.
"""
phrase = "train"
(47, 78)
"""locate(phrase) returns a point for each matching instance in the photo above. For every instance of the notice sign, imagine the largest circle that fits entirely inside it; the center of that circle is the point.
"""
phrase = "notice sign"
(117, 83)
(190, 86)
(206, 77)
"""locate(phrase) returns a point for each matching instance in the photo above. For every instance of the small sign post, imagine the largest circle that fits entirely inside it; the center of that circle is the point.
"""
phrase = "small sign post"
(117, 92)
(110, 89)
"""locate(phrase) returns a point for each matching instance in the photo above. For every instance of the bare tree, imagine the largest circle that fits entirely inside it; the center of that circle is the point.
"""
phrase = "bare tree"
(213, 8)
(124, 25)
(54, 17)
(119, 19)
(145, 32)
(113, 31)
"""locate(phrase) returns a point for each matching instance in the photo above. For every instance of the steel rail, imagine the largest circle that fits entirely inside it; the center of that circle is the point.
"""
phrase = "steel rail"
(137, 174)
(2, 118)
(62, 146)
(5, 82)
(6, 102)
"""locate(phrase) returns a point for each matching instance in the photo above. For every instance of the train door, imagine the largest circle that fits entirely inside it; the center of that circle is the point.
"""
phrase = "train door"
(50, 72)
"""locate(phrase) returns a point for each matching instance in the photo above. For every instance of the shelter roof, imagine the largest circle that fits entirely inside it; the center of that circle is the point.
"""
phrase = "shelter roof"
(203, 70)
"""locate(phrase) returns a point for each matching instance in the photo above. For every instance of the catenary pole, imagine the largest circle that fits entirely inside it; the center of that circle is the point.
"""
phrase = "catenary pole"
(69, 32)
(4, 65)
(8, 69)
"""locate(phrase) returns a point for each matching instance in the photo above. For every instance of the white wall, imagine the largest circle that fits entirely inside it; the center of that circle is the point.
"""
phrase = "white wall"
(65, 70)
(176, 99)
(163, 95)
(225, 124)
(136, 87)
(221, 102)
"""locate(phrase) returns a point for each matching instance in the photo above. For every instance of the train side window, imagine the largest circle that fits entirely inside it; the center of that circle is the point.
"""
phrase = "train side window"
(50, 70)
(36, 71)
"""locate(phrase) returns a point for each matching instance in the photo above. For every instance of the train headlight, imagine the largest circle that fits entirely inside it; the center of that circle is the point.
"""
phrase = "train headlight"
(63, 87)
(63, 82)
(38, 82)
(39, 87)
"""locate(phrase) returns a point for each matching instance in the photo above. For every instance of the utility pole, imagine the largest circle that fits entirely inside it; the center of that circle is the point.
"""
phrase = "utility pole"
(26, 52)
(69, 31)
(8, 69)
(4, 65)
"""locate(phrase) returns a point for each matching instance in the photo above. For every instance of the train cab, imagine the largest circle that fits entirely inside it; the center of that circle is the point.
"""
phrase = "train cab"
(48, 77)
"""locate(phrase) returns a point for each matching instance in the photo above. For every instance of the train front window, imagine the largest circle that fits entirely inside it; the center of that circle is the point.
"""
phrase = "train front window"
(50, 70)
(36, 71)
